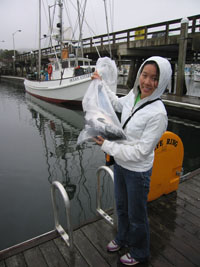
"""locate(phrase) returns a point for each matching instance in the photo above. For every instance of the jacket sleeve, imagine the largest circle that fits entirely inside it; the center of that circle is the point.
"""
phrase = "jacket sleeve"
(117, 102)
(139, 151)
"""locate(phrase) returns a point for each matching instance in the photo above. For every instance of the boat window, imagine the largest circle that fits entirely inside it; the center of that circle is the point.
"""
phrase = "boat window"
(72, 63)
(78, 71)
(65, 64)
(80, 63)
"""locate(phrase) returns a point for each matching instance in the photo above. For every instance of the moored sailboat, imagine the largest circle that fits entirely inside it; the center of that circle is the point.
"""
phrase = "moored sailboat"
(196, 76)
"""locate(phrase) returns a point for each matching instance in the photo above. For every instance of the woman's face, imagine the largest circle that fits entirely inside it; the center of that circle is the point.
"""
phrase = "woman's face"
(148, 80)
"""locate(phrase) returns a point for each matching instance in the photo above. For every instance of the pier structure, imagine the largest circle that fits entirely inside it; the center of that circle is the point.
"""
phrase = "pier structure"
(174, 231)
(178, 40)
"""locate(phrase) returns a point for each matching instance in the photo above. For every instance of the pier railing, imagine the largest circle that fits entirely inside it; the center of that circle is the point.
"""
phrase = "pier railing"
(164, 29)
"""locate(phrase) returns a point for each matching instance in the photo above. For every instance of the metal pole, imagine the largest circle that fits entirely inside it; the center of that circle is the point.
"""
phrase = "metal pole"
(13, 36)
(107, 28)
(80, 28)
(61, 30)
(14, 53)
(39, 55)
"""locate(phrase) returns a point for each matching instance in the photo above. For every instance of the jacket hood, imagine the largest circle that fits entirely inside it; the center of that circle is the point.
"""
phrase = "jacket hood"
(164, 77)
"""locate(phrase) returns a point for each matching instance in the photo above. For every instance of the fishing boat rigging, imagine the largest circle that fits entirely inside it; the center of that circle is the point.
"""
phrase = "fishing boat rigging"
(68, 74)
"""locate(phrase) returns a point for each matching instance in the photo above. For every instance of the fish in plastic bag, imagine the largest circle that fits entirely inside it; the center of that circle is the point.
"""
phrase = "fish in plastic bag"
(100, 117)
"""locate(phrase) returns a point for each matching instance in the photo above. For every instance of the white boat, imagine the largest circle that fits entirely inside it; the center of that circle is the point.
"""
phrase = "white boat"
(68, 76)
(196, 77)
(66, 85)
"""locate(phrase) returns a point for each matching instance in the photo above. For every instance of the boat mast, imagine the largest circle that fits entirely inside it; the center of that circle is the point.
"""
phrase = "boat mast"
(107, 28)
(39, 48)
(61, 28)
(80, 28)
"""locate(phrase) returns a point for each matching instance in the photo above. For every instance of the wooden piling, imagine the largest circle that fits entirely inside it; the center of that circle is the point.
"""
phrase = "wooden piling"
(180, 83)
(134, 67)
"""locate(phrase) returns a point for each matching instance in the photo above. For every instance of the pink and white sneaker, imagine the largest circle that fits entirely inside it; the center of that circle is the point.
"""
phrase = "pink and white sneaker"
(112, 246)
(128, 260)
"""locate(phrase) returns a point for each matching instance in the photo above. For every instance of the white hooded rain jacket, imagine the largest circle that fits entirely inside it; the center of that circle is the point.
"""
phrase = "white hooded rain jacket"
(145, 128)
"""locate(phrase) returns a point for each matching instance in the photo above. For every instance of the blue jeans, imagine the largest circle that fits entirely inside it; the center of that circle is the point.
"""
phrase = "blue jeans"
(131, 192)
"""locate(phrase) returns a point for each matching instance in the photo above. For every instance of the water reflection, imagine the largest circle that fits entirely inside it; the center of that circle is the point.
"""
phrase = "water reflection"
(75, 167)
(59, 128)
(38, 146)
(189, 132)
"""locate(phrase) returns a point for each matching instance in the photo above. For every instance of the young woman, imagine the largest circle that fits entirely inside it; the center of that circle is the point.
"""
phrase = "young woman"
(134, 156)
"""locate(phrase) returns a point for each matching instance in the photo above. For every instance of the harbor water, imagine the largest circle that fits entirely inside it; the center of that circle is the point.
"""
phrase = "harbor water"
(38, 146)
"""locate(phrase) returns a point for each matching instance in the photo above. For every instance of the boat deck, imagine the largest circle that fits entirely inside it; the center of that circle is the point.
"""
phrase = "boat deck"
(175, 237)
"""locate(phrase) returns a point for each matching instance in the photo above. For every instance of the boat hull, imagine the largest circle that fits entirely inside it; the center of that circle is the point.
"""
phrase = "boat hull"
(60, 91)
(197, 76)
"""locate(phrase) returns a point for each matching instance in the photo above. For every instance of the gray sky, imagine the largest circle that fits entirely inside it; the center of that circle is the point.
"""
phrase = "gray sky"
(122, 14)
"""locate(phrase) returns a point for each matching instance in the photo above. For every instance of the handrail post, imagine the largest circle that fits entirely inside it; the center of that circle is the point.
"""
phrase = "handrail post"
(68, 238)
(112, 222)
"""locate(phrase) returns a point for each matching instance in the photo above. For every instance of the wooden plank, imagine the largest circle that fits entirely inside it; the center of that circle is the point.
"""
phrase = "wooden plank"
(168, 252)
(163, 221)
(74, 258)
(195, 180)
(177, 232)
(197, 177)
(108, 231)
(27, 244)
(192, 188)
(187, 215)
(180, 206)
(16, 261)
(2, 264)
(188, 198)
(182, 218)
(91, 255)
(187, 206)
(156, 258)
(98, 239)
(179, 244)
(175, 238)
(100, 234)
(52, 255)
(34, 258)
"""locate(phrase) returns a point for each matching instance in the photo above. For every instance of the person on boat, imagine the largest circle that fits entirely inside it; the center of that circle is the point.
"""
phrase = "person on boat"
(134, 156)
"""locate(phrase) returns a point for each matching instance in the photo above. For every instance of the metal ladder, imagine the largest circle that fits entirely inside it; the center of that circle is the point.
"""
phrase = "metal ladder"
(68, 237)
(110, 220)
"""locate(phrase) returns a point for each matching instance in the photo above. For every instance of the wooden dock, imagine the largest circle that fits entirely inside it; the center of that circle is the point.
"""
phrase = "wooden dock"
(175, 237)
(186, 107)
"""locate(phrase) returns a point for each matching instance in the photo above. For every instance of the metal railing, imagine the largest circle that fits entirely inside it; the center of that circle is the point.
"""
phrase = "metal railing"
(68, 238)
(110, 220)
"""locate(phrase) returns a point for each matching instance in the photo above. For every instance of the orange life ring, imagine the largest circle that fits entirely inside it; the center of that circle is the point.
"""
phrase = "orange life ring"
(50, 69)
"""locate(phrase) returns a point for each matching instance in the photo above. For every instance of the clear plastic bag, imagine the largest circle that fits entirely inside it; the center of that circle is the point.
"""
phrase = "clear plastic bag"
(100, 117)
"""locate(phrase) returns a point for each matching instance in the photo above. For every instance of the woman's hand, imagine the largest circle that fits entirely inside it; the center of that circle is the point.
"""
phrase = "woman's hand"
(99, 140)
(95, 76)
